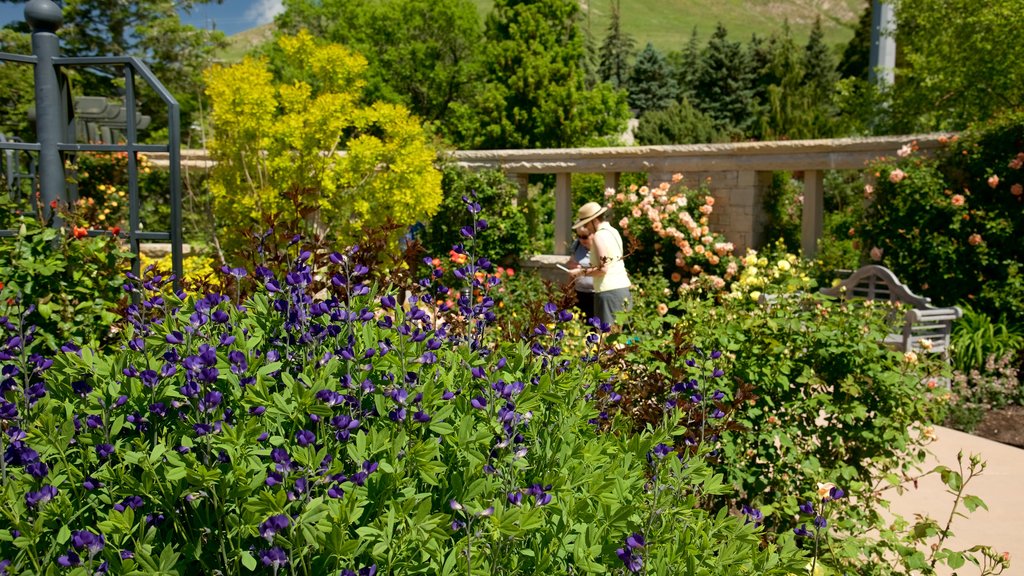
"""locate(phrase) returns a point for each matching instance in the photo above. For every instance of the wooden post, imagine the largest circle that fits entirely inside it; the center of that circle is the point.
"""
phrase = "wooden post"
(813, 218)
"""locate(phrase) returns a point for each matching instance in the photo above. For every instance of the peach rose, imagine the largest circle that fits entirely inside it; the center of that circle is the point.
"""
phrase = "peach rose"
(1017, 189)
(993, 181)
(876, 253)
(957, 200)
(709, 200)
(676, 178)
(869, 190)
(974, 239)
(896, 176)
(676, 277)
(662, 309)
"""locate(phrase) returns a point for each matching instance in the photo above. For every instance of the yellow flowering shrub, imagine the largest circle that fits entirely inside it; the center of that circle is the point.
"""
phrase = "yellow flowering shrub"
(307, 155)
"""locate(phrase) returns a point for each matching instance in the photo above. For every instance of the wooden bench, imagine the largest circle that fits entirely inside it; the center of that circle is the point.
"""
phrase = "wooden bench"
(923, 322)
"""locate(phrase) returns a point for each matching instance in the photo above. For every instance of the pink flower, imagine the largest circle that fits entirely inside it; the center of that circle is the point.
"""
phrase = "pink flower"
(1017, 162)
(876, 253)
(624, 223)
(662, 309)
(904, 151)
(709, 200)
(896, 176)
(676, 178)
(609, 192)
(993, 181)
(869, 190)
(974, 239)
(957, 200)
(1017, 189)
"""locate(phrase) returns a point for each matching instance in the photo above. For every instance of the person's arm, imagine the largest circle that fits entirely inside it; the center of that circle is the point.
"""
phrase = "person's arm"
(598, 248)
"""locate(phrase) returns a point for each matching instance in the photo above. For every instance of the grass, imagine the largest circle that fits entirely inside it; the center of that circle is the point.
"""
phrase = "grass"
(668, 23)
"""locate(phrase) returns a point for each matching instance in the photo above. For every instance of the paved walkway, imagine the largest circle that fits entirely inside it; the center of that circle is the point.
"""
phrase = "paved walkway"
(1001, 486)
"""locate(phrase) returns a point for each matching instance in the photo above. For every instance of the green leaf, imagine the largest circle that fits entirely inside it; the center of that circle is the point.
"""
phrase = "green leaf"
(249, 561)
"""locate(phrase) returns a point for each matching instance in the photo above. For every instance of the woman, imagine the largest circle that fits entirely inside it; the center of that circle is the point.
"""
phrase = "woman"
(580, 251)
(611, 282)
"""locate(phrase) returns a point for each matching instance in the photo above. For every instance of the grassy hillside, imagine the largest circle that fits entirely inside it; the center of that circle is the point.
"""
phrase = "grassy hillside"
(669, 23)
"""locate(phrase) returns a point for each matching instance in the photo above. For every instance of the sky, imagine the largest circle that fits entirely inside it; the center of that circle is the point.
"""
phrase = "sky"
(230, 17)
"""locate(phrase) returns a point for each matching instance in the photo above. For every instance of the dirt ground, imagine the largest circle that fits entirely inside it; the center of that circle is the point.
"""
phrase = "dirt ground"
(1004, 425)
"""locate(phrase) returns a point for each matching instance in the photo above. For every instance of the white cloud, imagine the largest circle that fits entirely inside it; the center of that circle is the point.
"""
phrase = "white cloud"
(263, 11)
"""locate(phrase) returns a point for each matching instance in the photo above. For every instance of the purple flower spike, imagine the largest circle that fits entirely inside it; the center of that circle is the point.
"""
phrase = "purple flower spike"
(274, 525)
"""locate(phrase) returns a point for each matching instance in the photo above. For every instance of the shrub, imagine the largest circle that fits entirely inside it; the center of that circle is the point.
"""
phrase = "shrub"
(101, 179)
(983, 387)
(976, 337)
(319, 426)
(950, 226)
(62, 281)
(506, 237)
(276, 147)
(667, 230)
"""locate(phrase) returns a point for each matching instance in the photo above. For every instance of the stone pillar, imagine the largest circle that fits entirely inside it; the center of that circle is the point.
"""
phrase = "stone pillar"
(812, 221)
(563, 212)
(611, 180)
(522, 181)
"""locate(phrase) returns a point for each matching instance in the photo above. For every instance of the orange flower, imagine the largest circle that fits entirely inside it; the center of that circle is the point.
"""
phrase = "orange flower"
(662, 309)
(1017, 189)
(993, 181)
(79, 232)
(974, 239)
(957, 200)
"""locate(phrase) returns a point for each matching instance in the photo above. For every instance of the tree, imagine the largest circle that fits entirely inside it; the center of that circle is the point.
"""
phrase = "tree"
(275, 144)
(651, 85)
(854, 63)
(957, 62)
(151, 30)
(819, 81)
(680, 123)
(724, 83)
(421, 53)
(17, 87)
(684, 65)
(533, 94)
(616, 51)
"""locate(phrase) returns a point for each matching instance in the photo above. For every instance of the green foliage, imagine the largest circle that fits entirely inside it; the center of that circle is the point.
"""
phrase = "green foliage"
(152, 30)
(783, 205)
(66, 285)
(956, 69)
(17, 87)
(101, 180)
(976, 337)
(680, 123)
(991, 384)
(506, 237)
(533, 93)
(421, 53)
(950, 227)
(276, 148)
(651, 86)
(724, 83)
(616, 51)
(274, 436)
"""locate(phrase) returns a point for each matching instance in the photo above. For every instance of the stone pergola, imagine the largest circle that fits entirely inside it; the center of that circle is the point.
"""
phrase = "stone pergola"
(739, 174)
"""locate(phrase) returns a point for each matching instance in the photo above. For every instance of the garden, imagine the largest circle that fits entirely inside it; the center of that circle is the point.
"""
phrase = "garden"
(355, 377)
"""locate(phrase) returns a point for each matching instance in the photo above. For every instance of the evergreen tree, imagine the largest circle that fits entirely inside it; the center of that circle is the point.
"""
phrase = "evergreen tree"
(680, 123)
(819, 81)
(684, 65)
(616, 51)
(854, 63)
(533, 94)
(725, 84)
(651, 85)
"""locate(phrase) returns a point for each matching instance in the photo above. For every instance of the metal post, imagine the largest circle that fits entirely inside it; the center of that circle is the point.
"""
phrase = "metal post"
(882, 56)
(45, 18)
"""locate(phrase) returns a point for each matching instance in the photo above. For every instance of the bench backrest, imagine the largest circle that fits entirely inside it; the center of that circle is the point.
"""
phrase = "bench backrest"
(874, 282)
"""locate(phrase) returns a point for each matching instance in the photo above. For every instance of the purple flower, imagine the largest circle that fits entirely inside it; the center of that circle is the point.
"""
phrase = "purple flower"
(274, 525)
(69, 559)
(633, 562)
(86, 540)
(90, 483)
(807, 508)
(820, 522)
(104, 451)
(305, 437)
(478, 402)
(275, 557)
(635, 540)
(836, 493)
(133, 502)
(753, 515)
(41, 496)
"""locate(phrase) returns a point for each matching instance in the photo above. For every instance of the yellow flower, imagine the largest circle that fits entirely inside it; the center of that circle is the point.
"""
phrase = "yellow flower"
(910, 357)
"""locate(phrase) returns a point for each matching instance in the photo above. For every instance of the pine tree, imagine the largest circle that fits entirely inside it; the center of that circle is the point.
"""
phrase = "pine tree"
(616, 51)
(651, 86)
(854, 63)
(534, 93)
(725, 84)
(684, 65)
(680, 123)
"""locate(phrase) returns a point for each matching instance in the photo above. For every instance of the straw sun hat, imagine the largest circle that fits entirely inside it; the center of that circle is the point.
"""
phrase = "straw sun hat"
(588, 212)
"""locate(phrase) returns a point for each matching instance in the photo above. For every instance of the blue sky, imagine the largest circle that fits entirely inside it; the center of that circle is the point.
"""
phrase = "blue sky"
(230, 17)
